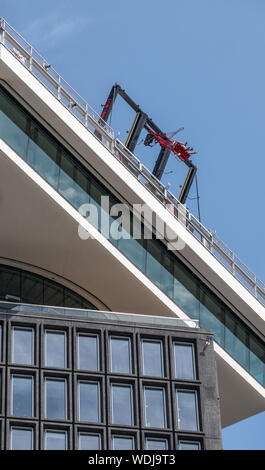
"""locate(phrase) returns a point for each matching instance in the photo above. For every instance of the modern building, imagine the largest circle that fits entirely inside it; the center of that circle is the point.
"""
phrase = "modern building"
(74, 372)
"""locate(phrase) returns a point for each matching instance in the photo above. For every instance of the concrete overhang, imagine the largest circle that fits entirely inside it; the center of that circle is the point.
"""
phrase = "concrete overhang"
(38, 227)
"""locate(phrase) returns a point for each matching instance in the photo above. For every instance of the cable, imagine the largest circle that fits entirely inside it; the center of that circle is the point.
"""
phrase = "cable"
(198, 198)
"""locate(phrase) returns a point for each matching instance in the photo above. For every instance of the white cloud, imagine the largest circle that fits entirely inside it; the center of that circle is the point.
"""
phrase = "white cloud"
(55, 27)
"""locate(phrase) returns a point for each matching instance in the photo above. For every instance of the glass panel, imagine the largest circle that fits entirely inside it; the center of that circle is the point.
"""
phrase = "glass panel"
(133, 248)
(53, 294)
(55, 349)
(1, 342)
(22, 396)
(237, 340)
(21, 286)
(120, 355)
(89, 441)
(122, 405)
(68, 188)
(10, 284)
(31, 289)
(166, 275)
(257, 359)
(55, 440)
(212, 315)
(187, 411)
(153, 262)
(186, 291)
(89, 403)
(21, 439)
(122, 443)
(155, 413)
(88, 352)
(156, 444)
(22, 342)
(73, 300)
(152, 358)
(55, 391)
(96, 192)
(41, 162)
(184, 361)
(13, 125)
(189, 445)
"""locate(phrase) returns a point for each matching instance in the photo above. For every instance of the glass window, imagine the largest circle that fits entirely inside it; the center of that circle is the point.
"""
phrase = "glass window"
(156, 444)
(186, 445)
(0, 398)
(89, 441)
(13, 125)
(152, 358)
(257, 357)
(55, 399)
(237, 340)
(167, 276)
(72, 300)
(74, 192)
(55, 440)
(122, 404)
(31, 288)
(187, 411)
(88, 352)
(122, 442)
(0, 342)
(186, 290)
(42, 155)
(184, 361)
(89, 402)
(55, 349)
(22, 345)
(120, 349)
(131, 247)
(21, 438)
(22, 396)
(53, 294)
(17, 285)
(212, 315)
(153, 262)
(10, 284)
(155, 407)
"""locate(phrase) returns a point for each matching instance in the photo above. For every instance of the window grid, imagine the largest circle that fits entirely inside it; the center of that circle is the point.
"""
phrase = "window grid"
(105, 379)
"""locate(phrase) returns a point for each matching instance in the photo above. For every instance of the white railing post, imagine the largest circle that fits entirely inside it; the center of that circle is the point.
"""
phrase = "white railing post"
(30, 59)
(2, 31)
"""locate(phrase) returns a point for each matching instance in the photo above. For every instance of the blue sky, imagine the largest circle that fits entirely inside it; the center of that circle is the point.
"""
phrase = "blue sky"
(197, 64)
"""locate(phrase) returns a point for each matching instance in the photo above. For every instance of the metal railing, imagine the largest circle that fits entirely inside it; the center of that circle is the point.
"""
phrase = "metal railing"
(45, 73)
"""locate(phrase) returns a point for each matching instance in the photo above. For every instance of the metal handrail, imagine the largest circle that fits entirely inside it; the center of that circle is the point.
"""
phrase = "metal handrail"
(48, 76)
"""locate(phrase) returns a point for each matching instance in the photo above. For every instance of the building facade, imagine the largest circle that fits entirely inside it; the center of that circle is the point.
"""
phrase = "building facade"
(64, 270)
(106, 381)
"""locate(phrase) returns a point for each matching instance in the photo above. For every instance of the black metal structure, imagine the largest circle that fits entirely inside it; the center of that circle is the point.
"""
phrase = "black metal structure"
(140, 122)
